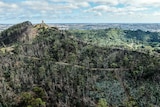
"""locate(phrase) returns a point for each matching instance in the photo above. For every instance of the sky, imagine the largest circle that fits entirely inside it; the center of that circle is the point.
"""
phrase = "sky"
(80, 11)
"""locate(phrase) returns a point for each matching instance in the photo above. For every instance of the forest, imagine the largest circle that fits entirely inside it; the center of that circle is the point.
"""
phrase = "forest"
(114, 37)
(44, 66)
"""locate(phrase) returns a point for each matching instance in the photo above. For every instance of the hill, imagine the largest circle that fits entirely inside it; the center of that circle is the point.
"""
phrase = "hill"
(130, 39)
(58, 70)
(21, 32)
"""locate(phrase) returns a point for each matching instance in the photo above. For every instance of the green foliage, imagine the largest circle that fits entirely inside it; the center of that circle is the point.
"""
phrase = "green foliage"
(114, 65)
(102, 103)
(30, 100)
(39, 92)
(37, 103)
(26, 97)
(131, 103)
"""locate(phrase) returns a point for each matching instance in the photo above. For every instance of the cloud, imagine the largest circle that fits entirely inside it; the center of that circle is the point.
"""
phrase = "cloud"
(36, 5)
(55, 5)
(111, 2)
(152, 3)
(107, 2)
(78, 9)
(83, 4)
(98, 14)
(103, 8)
(134, 9)
(111, 9)
(5, 7)
(156, 14)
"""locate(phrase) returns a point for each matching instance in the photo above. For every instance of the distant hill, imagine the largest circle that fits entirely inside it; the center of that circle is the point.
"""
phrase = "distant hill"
(152, 27)
(59, 69)
(131, 39)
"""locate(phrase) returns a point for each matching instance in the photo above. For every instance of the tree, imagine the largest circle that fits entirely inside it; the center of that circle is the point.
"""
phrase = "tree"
(102, 103)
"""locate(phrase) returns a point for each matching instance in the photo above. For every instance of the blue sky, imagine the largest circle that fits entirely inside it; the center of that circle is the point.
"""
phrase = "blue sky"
(80, 11)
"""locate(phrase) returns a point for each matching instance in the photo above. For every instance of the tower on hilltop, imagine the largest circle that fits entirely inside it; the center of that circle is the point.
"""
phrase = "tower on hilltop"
(42, 22)
(42, 25)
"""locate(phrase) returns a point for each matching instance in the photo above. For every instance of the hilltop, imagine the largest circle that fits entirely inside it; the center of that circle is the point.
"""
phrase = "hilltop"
(41, 25)
(57, 69)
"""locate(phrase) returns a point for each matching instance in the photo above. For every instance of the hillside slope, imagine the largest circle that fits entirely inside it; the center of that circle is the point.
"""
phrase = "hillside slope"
(21, 32)
(134, 40)
(55, 70)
